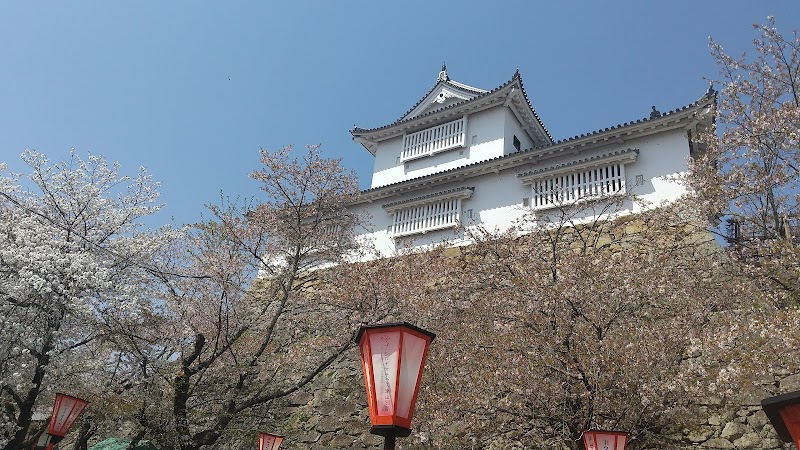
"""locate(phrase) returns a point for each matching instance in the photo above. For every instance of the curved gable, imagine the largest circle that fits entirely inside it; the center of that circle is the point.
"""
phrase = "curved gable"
(445, 93)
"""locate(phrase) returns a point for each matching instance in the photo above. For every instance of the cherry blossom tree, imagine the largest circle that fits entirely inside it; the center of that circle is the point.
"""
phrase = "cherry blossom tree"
(748, 172)
(255, 316)
(72, 251)
(581, 324)
(749, 175)
(622, 323)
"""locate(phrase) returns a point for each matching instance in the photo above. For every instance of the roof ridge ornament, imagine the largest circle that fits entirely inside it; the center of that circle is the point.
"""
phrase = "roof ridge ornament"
(711, 91)
(655, 113)
(443, 74)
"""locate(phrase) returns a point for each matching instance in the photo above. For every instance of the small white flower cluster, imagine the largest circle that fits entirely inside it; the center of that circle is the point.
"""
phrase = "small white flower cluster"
(71, 253)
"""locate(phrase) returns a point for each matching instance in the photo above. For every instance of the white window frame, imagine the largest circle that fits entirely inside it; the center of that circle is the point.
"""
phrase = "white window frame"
(439, 138)
(581, 180)
(432, 212)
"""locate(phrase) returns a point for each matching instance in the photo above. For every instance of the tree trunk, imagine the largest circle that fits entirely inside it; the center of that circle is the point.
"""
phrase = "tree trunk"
(85, 433)
(29, 400)
(181, 385)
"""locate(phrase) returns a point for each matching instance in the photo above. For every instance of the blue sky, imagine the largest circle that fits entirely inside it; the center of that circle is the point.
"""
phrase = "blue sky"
(192, 89)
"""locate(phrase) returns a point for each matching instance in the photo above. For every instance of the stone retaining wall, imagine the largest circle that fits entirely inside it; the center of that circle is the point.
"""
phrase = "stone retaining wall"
(332, 413)
(740, 423)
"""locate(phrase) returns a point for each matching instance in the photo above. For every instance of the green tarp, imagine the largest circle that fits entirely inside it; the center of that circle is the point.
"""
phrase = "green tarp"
(121, 444)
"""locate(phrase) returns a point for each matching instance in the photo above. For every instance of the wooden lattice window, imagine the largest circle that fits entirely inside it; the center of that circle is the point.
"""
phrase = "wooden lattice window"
(571, 187)
(428, 213)
(582, 180)
(436, 139)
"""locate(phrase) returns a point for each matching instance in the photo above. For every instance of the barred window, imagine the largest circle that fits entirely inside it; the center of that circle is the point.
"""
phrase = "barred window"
(435, 139)
(423, 214)
(580, 180)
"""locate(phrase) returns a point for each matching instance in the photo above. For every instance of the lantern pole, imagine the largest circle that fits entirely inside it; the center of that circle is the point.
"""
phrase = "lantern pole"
(389, 442)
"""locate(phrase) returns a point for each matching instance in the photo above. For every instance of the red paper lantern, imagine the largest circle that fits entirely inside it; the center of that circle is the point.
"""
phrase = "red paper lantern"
(66, 410)
(604, 440)
(392, 356)
(784, 413)
(267, 441)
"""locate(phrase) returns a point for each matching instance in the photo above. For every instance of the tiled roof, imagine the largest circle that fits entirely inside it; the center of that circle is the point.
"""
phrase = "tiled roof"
(466, 87)
(447, 82)
(575, 162)
(427, 196)
(401, 120)
(711, 94)
(709, 97)
(479, 95)
(535, 114)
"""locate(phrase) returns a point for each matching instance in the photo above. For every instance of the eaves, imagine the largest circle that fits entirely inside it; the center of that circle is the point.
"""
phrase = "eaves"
(682, 118)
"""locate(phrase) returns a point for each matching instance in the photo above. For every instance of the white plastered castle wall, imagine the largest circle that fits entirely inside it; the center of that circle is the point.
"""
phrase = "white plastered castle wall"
(661, 157)
(484, 140)
(513, 128)
(497, 201)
